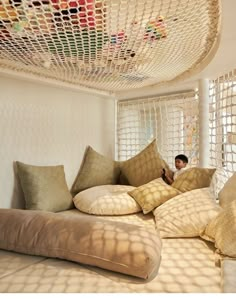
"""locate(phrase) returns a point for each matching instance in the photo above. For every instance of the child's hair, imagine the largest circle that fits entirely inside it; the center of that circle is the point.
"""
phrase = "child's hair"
(182, 158)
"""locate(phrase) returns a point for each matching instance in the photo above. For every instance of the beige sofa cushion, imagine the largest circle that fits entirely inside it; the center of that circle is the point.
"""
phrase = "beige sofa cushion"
(228, 193)
(187, 214)
(95, 170)
(194, 178)
(153, 194)
(144, 167)
(222, 231)
(116, 246)
(106, 200)
(44, 187)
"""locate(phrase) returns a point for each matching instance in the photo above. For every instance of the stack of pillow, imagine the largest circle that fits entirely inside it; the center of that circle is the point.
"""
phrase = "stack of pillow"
(187, 208)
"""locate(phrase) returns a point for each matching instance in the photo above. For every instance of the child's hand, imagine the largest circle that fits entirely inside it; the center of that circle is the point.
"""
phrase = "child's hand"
(163, 175)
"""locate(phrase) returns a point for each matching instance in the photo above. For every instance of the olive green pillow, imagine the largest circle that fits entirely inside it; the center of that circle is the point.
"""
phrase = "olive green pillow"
(44, 187)
(145, 166)
(95, 170)
(194, 178)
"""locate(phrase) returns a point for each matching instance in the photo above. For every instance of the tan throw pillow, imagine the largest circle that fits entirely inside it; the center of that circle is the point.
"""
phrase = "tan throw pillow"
(222, 231)
(153, 194)
(187, 214)
(44, 187)
(116, 246)
(95, 170)
(106, 200)
(144, 167)
(194, 178)
(228, 193)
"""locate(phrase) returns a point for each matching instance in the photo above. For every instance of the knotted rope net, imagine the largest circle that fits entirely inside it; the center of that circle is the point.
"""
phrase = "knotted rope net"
(109, 45)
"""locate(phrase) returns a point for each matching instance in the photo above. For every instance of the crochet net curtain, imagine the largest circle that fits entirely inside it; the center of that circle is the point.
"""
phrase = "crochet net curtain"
(111, 45)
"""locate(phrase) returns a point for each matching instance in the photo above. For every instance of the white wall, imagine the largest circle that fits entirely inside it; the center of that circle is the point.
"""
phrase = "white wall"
(46, 125)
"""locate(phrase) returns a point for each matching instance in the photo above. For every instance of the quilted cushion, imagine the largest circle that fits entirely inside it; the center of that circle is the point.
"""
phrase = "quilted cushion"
(116, 246)
(153, 194)
(187, 214)
(145, 166)
(194, 178)
(44, 187)
(95, 170)
(106, 200)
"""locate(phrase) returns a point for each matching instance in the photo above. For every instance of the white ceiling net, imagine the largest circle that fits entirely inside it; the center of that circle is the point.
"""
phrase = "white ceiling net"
(107, 45)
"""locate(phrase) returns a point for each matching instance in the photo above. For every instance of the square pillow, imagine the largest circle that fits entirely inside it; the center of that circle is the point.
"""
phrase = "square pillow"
(144, 167)
(227, 194)
(153, 194)
(95, 170)
(107, 200)
(222, 231)
(44, 187)
(187, 214)
(194, 178)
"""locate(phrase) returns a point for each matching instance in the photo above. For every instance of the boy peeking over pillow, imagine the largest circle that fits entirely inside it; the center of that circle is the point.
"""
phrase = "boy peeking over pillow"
(181, 162)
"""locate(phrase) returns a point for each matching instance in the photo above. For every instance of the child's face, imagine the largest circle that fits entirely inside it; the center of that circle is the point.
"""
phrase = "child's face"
(179, 164)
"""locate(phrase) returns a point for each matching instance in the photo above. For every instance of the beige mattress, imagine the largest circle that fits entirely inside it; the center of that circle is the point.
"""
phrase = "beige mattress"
(188, 265)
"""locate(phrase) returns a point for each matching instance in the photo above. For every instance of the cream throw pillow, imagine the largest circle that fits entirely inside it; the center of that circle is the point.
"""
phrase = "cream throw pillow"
(222, 231)
(193, 178)
(153, 194)
(219, 178)
(106, 200)
(95, 170)
(44, 187)
(144, 167)
(187, 214)
(228, 193)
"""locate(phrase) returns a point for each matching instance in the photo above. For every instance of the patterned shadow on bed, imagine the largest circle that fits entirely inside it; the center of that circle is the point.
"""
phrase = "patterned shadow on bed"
(187, 266)
(115, 246)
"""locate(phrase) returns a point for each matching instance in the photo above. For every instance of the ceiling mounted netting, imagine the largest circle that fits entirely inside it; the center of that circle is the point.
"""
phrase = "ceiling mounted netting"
(110, 45)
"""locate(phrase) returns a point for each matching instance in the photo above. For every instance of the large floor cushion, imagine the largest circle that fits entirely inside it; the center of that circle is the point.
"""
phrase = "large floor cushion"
(116, 246)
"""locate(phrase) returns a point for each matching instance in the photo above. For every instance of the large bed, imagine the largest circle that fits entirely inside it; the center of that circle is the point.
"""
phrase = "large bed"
(105, 237)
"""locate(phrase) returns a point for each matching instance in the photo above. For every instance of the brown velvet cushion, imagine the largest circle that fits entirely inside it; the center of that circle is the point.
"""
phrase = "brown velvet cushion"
(144, 167)
(116, 246)
(44, 187)
(194, 178)
(95, 170)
